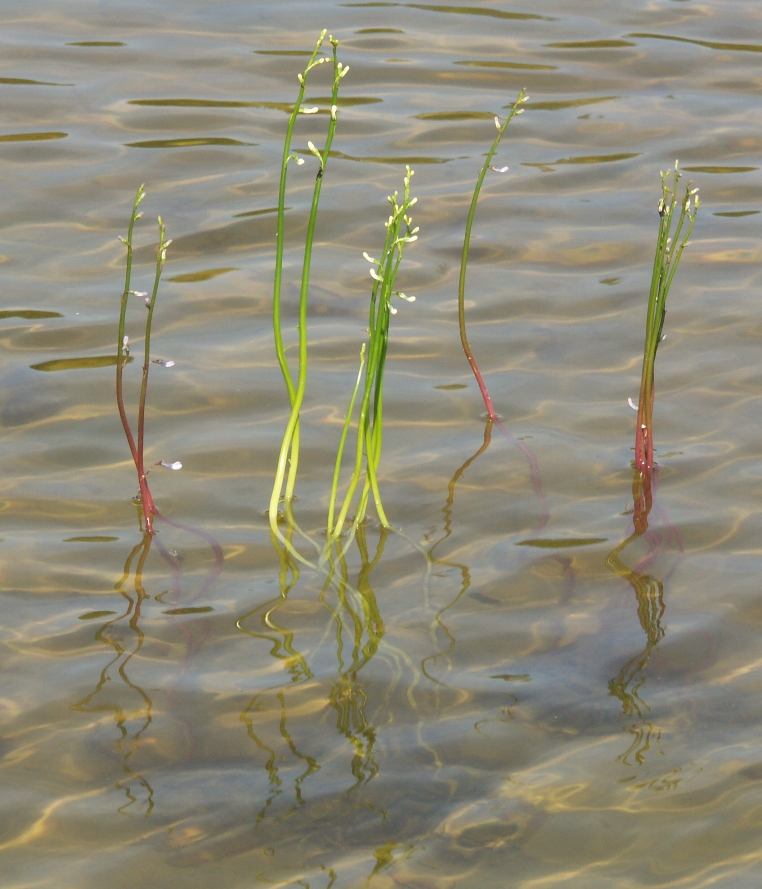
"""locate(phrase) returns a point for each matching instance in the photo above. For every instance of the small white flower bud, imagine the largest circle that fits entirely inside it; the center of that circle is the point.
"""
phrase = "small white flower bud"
(120, 238)
(169, 465)
(393, 310)
(125, 341)
(374, 274)
(344, 71)
(334, 111)
(370, 258)
(499, 169)
(300, 78)
(309, 110)
(497, 122)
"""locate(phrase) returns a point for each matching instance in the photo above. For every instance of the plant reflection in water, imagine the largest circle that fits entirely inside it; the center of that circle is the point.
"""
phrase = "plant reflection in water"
(359, 629)
(116, 692)
(649, 591)
(130, 705)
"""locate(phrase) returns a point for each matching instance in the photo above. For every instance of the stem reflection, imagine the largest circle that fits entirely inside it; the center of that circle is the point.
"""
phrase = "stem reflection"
(649, 592)
(133, 715)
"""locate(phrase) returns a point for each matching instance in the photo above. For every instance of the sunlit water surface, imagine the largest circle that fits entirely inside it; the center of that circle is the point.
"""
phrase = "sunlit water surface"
(498, 696)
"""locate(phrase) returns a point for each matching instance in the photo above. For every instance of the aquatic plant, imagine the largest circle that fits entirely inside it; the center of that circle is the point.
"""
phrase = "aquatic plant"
(370, 377)
(674, 231)
(491, 412)
(399, 232)
(487, 165)
(137, 448)
(288, 457)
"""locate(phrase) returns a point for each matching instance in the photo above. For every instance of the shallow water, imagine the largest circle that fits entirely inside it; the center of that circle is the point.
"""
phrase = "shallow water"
(494, 699)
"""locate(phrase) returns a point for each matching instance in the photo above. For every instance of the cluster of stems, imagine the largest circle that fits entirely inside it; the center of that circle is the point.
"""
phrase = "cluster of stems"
(369, 386)
(399, 232)
(288, 457)
(137, 446)
(677, 217)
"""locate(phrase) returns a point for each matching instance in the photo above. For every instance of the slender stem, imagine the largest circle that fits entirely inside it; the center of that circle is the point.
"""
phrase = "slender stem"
(121, 359)
(161, 255)
(279, 239)
(343, 439)
(515, 109)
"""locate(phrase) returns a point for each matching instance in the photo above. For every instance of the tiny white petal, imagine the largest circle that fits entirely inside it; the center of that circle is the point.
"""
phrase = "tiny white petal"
(309, 110)
(500, 169)
(299, 161)
(334, 111)
(374, 274)
(497, 122)
(632, 404)
(369, 258)
(125, 340)
(392, 310)
(169, 465)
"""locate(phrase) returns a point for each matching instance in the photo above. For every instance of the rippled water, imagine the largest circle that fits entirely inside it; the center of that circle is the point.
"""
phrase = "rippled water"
(502, 695)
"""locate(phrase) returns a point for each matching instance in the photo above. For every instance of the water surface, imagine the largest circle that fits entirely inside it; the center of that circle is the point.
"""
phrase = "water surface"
(502, 694)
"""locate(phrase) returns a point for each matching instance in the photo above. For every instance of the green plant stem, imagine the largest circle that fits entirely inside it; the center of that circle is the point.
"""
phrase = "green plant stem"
(669, 250)
(515, 109)
(370, 420)
(343, 439)
(161, 255)
(290, 444)
(279, 238)
(121, 358)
